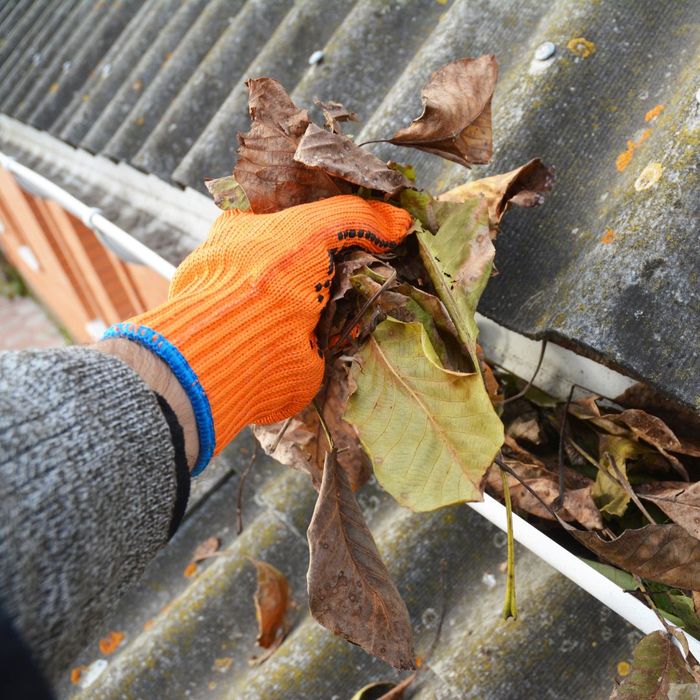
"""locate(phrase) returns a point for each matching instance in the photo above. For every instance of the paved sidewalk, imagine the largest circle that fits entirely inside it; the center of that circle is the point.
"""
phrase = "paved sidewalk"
(24, 324)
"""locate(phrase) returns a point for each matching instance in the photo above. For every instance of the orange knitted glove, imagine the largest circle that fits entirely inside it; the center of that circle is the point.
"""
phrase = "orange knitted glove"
(238, 327)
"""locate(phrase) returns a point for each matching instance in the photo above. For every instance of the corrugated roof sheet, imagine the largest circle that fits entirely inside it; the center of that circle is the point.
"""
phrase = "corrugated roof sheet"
(564, 645)
(608, 265)
(159, 85)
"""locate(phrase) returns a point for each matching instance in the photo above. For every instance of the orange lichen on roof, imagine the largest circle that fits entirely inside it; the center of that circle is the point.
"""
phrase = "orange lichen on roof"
(190, 570)
(623, 160)
(148, 624)
(623, 668)
(76, 673)
(653, 113)
(581, 46)
(110, 643)
(608, 236)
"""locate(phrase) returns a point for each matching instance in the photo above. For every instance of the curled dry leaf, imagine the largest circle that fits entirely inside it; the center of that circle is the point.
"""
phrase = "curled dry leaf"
(456, 119)
(526, 427)
(266, 169)
(338, 156)
(654, 431)
(303, 445)
(657, 667)
(636, 424)
(458, 259)
(271, 601)
(334, 113)
(523, 187)
(350, 591)
(206, 549)
(679, 500)
(227, 193)
(663, 553)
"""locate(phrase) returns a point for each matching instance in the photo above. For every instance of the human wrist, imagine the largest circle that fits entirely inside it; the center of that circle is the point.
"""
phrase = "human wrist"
(160, 379)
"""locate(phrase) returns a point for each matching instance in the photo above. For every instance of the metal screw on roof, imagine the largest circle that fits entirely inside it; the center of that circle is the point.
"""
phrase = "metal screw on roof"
(545, 51)
(315, 58)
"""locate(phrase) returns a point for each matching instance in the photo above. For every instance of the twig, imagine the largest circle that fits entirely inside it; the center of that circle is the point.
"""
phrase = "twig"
(518, 478)
(365, 143)
(322, 421)
(526, 388)
(280, 435)
(443, 612)
(625, 484)
(358, 316)
(241, 484)
(510, 607)
(583, 452)
(562, 434)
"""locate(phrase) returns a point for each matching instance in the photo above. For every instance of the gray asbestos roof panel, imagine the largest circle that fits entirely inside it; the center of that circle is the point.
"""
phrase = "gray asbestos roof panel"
(599, 267)
(609, 265)
(565, 644)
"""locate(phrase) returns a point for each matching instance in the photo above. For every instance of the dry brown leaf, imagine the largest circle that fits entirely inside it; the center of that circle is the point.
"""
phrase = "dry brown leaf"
(525, 428)
(684, 421)
(654, 431)
(456, 119)
(334, 113)
(679, 500)
(578, 503)
(304, 445)
(586, 408)
(350, 591)
(524, 187)
(493, 388)
(696, 602)
(271, 601)
(266, 168)
(338, 156)
(345, 269)
(663, 553)
(206, 549)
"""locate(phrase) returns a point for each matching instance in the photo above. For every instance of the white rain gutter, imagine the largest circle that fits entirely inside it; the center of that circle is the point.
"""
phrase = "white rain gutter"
(560, 369)
(119, 241)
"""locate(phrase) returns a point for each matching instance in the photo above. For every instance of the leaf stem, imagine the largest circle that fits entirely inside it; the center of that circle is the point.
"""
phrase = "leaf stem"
(327, 432)
(510, 608)
(526, 388)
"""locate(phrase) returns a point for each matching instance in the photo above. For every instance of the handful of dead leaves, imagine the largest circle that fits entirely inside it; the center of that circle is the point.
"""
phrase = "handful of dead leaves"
(407, 395)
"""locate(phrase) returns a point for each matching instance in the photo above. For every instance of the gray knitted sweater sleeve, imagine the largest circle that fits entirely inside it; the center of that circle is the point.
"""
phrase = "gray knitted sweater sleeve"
(88, 488)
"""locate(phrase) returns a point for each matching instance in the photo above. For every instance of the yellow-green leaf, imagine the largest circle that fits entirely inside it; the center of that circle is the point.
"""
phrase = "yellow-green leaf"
(459, 258)
(431, 433)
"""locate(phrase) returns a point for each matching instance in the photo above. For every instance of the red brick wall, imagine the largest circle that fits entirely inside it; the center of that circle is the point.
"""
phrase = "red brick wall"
(66, 266)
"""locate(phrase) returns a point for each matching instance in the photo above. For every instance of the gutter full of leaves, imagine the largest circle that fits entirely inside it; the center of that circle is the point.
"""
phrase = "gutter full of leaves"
(408, 396)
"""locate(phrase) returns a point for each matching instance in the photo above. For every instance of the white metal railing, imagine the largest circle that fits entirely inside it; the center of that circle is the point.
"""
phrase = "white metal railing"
(559, 558)
(118, 240)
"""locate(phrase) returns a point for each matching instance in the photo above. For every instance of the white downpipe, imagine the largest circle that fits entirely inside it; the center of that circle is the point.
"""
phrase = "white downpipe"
(90, 216)
(586, 373)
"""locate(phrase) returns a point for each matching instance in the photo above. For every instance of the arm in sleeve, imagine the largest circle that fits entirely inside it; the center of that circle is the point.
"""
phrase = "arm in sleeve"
(91, 487)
